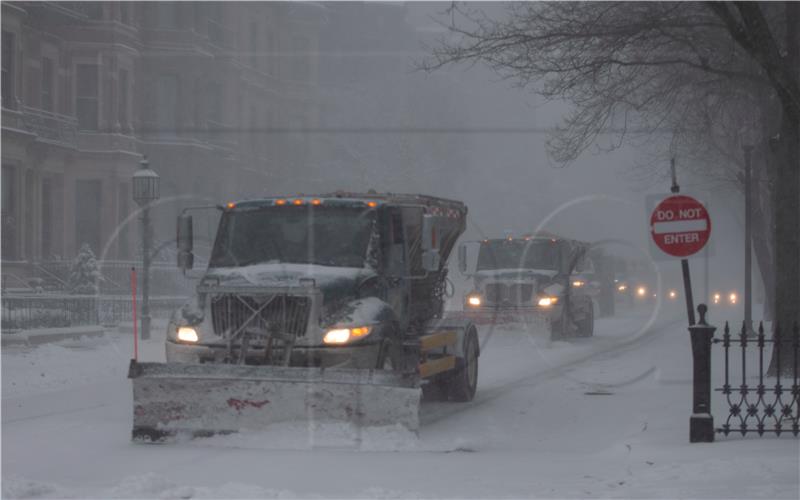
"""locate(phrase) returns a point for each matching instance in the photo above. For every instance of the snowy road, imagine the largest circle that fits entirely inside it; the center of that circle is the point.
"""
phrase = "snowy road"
(600, 417)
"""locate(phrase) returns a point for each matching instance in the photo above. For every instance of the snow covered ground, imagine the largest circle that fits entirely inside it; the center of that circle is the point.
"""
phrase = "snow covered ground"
(601, 417)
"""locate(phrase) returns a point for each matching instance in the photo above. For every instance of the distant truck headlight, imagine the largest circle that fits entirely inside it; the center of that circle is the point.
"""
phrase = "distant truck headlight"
(673, 294)
(345, 335)
(622, 287)
(474, 300)
(733, 297)
(716, 298)
(187, 334)
(641, 291)
(578, 283)
(547, 301)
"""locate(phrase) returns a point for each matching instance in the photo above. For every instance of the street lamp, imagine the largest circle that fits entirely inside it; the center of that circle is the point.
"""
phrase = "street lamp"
(145, 191)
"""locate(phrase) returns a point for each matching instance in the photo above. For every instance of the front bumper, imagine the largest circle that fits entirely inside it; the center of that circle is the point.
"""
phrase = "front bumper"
(354, 356)
(488, 315)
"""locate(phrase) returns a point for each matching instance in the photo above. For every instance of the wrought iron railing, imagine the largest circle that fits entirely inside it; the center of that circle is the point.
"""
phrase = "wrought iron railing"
(762, 402)
(50, 126)
(761, 408)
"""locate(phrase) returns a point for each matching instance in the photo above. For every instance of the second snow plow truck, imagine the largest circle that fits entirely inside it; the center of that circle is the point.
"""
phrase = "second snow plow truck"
(319, 308)
(542, 279)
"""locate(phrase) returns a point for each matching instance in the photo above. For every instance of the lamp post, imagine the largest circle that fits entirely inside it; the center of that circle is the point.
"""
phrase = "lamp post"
(145, 191)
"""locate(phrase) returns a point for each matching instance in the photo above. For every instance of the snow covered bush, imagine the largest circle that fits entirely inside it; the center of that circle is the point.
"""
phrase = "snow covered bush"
(84, 274)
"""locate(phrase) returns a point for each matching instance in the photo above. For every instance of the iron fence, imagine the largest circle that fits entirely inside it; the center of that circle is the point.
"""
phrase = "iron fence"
(24, 312)
(761, 408)
(759, 399)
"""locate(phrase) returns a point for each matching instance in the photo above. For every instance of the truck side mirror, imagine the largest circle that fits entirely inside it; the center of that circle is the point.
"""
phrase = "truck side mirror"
(462, 258)
(185, 240)
(431, 260)
(429, 230)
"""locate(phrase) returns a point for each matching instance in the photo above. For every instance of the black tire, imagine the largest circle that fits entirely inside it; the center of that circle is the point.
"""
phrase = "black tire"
(463, 383)
(586, 325)
(387, 358)
(435, 390)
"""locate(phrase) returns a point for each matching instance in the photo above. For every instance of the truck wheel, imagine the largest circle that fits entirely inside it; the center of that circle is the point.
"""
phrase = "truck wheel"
(464, 382)
(387, 358)
(586, 325)
(435, 390)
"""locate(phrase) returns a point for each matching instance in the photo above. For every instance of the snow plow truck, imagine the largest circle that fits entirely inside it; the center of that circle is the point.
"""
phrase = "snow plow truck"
(323, 308)
(542, 280)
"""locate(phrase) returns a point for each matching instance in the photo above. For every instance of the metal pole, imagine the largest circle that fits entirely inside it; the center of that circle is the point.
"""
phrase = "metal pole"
(687, 279)
(146, 273)
(748, 244)
(701, 423)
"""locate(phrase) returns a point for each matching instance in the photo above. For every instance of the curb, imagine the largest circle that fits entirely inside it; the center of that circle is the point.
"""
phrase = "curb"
(49, 335)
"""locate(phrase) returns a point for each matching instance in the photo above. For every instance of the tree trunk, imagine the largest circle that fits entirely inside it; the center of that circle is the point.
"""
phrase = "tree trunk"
(762, 224)
(763, 254)
(786, 204)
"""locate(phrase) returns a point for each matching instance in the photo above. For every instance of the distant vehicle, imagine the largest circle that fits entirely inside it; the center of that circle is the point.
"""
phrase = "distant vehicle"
(541, 278)
(728, 298)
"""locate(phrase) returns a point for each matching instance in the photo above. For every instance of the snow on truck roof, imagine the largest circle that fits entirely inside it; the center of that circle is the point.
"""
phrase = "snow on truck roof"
(341, 198)
(538, 235)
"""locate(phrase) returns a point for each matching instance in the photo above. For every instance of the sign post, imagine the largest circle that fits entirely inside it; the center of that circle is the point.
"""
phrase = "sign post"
(680, 226)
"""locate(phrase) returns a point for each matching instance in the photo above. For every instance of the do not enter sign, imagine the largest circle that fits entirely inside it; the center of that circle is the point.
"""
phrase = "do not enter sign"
(680, 226)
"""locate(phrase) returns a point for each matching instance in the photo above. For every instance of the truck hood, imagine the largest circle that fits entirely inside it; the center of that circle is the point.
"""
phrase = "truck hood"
(331, 280)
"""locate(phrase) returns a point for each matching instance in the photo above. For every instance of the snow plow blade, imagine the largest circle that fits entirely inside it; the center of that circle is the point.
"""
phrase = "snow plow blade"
(207, 399)
(502, 317)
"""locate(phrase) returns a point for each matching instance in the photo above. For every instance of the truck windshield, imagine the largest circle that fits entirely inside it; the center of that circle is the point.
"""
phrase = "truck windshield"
(330, 236)
(518, 254)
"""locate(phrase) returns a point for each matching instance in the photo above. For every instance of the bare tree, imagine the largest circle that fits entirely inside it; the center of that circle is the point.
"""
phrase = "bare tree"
(637, 68)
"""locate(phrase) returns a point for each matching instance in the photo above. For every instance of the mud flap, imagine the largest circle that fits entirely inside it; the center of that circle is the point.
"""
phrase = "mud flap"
(207, 399)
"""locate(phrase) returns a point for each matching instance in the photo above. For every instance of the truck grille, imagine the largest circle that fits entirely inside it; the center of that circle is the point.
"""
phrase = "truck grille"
(263, 314)
(509, 294)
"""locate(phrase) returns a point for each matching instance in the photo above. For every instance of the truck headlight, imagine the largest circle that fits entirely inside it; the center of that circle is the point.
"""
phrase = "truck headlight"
(547, 301)
(641, 291)
(187, 334)
(345, 335)
(578, 283)
(474, 300)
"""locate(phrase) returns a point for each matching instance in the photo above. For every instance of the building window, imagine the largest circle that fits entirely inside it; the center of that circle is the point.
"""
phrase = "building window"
(122, 105)
(253, 44)
(8, 70)
(123, 243)
(301, 63)
(48, 103)
(166, 15)
(125, 13)
(47, 219)
(214, 102)
(9, 213)
(88, 207)
(167, 104)
(27, 216)
(93, 10)
(86, 96)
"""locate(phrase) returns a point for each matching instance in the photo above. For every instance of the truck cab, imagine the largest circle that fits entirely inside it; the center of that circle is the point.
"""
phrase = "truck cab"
(531, 278)
(342, 280)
